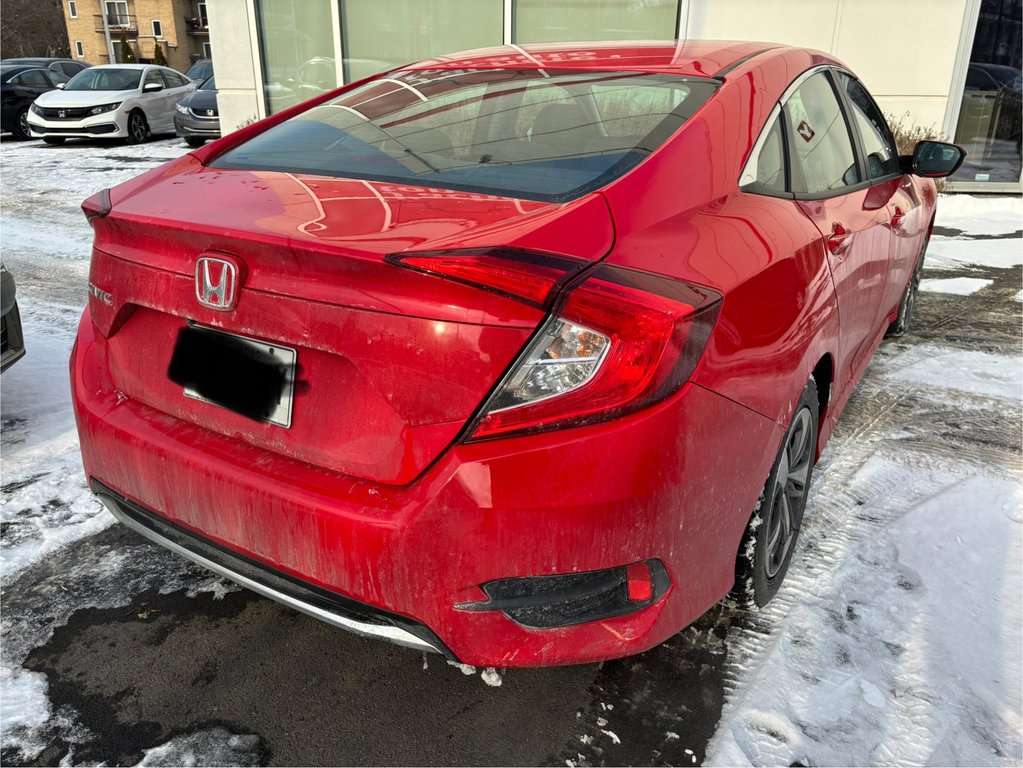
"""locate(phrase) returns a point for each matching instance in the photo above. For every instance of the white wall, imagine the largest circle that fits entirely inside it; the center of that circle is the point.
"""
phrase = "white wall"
(903, 50)
(236, 62)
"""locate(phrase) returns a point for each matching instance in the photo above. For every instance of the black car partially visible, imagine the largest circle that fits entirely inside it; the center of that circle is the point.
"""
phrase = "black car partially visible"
(12, 340)
(196, 118)
(67, 67)
(20, 84)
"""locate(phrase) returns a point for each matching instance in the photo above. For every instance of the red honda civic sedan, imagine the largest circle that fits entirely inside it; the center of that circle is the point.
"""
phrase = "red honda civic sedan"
(523, 355)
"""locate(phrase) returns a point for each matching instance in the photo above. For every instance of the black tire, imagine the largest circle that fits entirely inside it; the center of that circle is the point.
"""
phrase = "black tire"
(901, 324)
(54, 139)
(20, 128)
(194, 141)
(770, 538)
(138, 128)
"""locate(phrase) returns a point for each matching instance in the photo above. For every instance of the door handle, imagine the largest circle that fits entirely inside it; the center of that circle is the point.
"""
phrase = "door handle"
(838, 240)
(897, 218)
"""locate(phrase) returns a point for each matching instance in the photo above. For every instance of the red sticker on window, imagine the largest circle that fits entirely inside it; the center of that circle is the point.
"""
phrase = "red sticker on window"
(804, 130)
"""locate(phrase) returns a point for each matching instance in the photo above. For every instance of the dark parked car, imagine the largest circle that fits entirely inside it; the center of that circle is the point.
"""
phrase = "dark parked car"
(196, 118)
(201, 70)
(12, 341)
(67, 67)
(20, 84)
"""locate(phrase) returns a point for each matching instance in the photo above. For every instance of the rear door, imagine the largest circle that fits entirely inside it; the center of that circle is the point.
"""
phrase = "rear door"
(158, 104)
(908, 220)
(831, 186)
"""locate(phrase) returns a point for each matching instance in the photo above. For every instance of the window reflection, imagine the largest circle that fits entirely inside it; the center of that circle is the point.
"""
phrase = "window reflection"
(992, 107)
(296, 39)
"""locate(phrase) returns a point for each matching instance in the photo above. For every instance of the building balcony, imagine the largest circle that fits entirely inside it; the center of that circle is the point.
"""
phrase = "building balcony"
(198, 26)
(118, 23)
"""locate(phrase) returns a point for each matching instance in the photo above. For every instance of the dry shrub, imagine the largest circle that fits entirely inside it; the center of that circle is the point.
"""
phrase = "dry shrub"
(908, 134)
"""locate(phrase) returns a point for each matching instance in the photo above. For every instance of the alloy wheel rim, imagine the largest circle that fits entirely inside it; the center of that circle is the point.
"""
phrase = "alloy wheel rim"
(138, 131)
(788, 492)
(23, 122)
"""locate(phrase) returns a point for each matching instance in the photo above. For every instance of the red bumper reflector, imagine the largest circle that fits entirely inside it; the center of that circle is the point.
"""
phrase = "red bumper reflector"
(640, 582)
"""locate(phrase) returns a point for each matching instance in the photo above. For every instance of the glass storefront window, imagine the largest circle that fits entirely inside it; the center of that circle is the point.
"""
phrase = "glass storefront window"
(550, 21)
(296, 39)
(991, 113)
(382, 34)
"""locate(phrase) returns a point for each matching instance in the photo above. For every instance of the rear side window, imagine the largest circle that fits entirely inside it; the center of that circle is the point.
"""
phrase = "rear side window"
(878, 143)
(770, 171)
(540, 135)
(823, 158)
(34, 78)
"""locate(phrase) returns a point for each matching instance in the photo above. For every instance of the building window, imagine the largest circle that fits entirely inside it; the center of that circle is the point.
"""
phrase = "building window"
(378, 36)
(72, 9)
(541, 21)
(79, 49)
(207, 51)
(157, 28)
(204, 20)
(296, 42)
(117, 13)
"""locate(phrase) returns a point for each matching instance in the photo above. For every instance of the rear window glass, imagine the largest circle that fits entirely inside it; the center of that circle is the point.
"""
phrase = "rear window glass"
(533, 134)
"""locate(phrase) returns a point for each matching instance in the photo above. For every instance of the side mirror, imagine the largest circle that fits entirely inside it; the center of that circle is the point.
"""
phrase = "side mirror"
(59, 85)
(936, 159)
(152, 87)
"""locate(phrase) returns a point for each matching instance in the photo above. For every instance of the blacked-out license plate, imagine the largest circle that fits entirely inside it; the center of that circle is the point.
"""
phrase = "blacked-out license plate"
(241, 374)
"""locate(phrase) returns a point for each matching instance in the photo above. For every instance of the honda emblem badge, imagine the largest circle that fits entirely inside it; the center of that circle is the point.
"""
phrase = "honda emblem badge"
(62, 114)
(216, 282)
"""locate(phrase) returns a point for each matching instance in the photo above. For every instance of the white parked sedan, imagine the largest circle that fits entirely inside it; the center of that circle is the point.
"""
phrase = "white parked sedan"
(127, 101)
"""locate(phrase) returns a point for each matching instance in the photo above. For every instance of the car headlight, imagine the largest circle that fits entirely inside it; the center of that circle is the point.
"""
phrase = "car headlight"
(104, 108)
(181, 108)
(35, 109)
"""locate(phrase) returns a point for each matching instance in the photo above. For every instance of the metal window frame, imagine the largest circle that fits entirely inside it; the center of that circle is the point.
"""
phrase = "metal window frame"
(72, 9)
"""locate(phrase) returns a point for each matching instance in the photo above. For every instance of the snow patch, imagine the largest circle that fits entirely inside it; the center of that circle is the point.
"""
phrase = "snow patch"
(943, 253)
(980, 215)
(24, 709)
(212, 747)
(960, 286)
(967, 371)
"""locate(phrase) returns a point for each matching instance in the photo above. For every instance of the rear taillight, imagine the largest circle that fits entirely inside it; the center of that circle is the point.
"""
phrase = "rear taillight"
(97, 206)
(619, 341)
(525, 276)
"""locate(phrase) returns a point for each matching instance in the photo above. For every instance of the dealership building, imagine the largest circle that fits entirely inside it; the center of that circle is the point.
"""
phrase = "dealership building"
(951, 66)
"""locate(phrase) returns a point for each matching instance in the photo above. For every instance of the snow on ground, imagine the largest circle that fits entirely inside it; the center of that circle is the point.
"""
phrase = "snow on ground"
(960, 286)
(943, 253)
(980, 214)
(210, 747)
(945, 371)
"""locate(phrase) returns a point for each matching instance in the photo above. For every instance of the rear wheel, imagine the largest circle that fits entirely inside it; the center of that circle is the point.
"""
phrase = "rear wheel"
(54, 139)
(904, 319)
(194, 141)
(138, 128)
(20, 128)
(770, 537)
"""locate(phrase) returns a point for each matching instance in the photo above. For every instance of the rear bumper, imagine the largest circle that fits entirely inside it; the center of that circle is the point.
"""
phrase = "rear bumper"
(667, 483)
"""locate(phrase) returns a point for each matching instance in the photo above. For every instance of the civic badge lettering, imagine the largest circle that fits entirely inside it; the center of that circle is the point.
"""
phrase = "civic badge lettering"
(216, 282)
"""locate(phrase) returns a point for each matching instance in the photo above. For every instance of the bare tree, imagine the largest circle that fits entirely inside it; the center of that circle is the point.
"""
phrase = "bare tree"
(32, 28)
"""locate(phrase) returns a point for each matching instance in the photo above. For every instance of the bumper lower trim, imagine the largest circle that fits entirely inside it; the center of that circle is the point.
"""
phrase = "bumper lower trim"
(322, 604)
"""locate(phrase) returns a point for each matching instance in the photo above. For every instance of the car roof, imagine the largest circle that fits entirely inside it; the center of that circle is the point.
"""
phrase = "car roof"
(10, 70)
(693, 58)
(128, 66)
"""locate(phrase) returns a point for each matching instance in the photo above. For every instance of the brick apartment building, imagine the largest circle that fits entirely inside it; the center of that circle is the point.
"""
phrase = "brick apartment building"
(181, 27)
